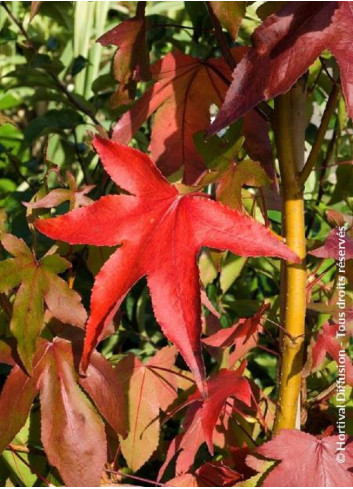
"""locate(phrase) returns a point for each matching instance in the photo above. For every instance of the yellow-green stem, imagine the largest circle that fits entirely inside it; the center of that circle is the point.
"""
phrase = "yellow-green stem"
(289, 126)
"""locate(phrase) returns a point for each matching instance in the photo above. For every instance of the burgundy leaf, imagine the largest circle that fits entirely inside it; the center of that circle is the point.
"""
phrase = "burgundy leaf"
(337, 244)
(307, 461)
(131, 61)
(284, 46)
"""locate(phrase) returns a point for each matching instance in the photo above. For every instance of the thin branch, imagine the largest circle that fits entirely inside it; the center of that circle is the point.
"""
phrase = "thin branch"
(176, 26)
(322, 170)
(323, 65)
(16, 165)
(32, 469)
(263, 109)
(136, 478)
(315, 150)
(73, 99)
(221, 39)
(18, 23)
(140, 10)
(325, 393)
(319, 277)
(25, 449)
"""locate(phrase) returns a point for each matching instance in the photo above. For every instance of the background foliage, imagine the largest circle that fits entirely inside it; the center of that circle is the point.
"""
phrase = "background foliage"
(58, 86)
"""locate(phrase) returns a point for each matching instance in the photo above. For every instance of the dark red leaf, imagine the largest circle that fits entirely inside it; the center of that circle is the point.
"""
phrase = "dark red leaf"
(217, 474)
(16, 398)
(284, 46)
(186, 445)
(131, 61)
(202, 416)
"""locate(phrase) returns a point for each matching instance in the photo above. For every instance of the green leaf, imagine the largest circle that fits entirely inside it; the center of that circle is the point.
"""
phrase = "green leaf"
(21, 470)
(344, 184)
(247, 172)
(218, 151)
(232, 267)
(78, 64)
(52, 121)
(39, 284)
(7, 35)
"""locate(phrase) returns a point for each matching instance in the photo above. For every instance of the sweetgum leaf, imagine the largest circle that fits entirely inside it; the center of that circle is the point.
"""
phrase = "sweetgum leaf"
(163, 378)
(230, 15)
(147, 390)
(161, 234)
(19, 390)
(72, 432)
(17, 396)
(307, 461)
(131, 61)
(39, 284)
(57, 196)
(224, 384)
(243, 335)
(229, 187)
(179, 111)
(104, 387)
(335, 241)
(185, 445)
(202, 416)
(284, 46)
(327, 344)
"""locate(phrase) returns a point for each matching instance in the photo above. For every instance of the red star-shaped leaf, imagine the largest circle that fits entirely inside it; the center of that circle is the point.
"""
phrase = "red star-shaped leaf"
(160, 234)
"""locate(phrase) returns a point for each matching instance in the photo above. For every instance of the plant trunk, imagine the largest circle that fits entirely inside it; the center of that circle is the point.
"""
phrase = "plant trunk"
(289, 128)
